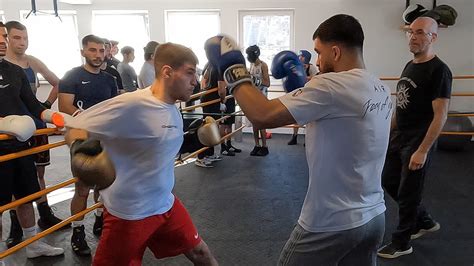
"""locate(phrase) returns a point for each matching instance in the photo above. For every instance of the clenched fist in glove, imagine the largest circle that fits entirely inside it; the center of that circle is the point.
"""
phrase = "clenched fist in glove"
(90, 164)
(287, 65)
(223, 53)
(20, 126)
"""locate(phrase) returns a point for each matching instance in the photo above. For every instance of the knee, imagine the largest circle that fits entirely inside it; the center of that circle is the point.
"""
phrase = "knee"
(201, 255)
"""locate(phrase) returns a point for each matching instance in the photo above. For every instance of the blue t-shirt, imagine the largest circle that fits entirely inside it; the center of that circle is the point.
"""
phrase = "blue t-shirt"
(89, 88)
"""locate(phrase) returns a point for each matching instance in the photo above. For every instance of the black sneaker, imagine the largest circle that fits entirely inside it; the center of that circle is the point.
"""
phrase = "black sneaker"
(427, 227)
(47, 217)
(255, 151)
(391, 251)
(263, 151)
(99, 222)
(227, 153)
(16, 233)
(294, 140)
(78, 242)
(233, 149)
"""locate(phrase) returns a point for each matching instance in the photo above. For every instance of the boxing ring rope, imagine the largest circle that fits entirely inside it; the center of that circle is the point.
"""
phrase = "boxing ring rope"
(31, 151)
(204, 104)
(43, 131)
(48, 231)
(199, 94)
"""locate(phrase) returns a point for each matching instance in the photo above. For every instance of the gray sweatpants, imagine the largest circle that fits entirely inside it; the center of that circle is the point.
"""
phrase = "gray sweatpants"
(357, 246)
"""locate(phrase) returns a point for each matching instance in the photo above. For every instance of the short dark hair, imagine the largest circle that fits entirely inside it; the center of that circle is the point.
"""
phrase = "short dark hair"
(13, 24)
(91, 38)
(1, 24)
(127, 50)
(113, 42)
(343, 29)
(173, 55)
(149, 49)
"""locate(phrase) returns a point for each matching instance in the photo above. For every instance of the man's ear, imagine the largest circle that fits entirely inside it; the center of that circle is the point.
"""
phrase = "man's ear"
(336, 52)
(166, 71)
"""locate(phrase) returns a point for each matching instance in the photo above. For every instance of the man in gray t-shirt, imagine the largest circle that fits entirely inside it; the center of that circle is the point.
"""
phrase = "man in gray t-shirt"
(347, 111)
(128, 74)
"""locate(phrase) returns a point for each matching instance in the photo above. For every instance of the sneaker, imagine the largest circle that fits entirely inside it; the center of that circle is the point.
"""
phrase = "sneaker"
(79, 243)
(40, 248)
(263, 151)
(255, 151)
(99, 222)
(213, 158)
(234, 149)
(16, 233)
(47, 217)
(427, 228)
(227, 153)
(203, 163)
(294, 140)
(391, 251)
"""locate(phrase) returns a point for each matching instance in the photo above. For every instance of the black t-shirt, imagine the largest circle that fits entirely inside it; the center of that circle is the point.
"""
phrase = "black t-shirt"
(418, 86)
(114, 72)
(15, 92)
(16, 98)
(88, 87)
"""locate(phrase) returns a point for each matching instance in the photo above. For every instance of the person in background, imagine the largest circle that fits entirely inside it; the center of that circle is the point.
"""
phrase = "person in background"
(126, 71)
(147, 72)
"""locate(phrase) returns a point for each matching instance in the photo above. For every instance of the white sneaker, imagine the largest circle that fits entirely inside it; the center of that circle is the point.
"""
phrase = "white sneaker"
(213, 158)
(203, 163)
(39, 248)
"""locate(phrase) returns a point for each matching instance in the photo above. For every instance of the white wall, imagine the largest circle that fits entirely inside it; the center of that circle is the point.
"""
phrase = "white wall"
(386, 50)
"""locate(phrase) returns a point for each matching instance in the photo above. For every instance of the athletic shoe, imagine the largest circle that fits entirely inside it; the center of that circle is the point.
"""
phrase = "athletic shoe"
(294, 140)
(78, 241)
(203, 163)
(39, 248)
(263, 151)
(255, 151)
(16, 233)
(213, 158)
(47, 218)
(391, 251)
(98, 223)
(234, 149)
(427, 227)
(227, 153)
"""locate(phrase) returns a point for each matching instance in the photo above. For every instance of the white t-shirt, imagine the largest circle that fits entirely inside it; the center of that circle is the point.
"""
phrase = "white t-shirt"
(348, 121)
(146, 76)
(141, 135)
(256, 70)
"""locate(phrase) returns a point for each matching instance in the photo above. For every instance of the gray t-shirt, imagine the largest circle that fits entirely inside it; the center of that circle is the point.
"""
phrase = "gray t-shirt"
(348, 122)
(129, 76)
(146, 76)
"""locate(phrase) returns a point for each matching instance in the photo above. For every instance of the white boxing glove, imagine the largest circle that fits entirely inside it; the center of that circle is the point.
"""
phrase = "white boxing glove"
(20, 126)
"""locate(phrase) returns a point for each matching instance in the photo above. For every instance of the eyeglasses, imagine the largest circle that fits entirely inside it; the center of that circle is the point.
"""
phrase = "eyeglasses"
(417, 34)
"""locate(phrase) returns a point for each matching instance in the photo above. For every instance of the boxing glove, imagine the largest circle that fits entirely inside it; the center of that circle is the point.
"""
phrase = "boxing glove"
(91, 165)
(286, 65)
(223, 53)
(208, 132)
(20, 126)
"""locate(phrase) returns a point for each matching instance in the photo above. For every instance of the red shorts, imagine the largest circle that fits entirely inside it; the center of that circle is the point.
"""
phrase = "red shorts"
(123, 242)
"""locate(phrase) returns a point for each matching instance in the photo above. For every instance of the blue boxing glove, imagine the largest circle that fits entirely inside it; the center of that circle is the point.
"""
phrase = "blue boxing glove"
(225, 55)
(286, 65)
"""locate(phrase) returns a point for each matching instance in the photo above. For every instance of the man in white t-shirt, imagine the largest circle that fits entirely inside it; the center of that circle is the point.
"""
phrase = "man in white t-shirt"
(347, 112)
(142, 131)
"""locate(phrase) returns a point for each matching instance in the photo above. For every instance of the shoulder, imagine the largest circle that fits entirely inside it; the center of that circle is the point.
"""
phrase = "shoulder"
(441, 64)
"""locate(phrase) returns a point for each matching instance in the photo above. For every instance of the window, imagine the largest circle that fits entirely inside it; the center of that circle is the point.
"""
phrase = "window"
(129, 28)
(192, 29)
(54, 41)
(271, 30)
(2, 16)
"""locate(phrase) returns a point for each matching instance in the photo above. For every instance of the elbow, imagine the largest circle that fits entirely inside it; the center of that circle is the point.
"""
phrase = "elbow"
(260, 122)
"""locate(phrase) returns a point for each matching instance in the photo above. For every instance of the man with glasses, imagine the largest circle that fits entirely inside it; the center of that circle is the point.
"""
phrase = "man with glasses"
(423, 93)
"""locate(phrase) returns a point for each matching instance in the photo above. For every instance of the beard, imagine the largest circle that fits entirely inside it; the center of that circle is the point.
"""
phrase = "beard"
(94, 63)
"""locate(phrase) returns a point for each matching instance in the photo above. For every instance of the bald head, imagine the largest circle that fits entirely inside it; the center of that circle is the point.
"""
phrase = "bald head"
(426, 24)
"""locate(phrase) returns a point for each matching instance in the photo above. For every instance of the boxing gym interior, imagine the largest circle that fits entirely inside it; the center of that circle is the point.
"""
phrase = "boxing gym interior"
(246, 197)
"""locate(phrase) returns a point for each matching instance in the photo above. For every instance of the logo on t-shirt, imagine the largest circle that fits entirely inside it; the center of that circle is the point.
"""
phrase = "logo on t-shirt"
(169, 126)
(403, 92)
(85, 82)
(4, 86)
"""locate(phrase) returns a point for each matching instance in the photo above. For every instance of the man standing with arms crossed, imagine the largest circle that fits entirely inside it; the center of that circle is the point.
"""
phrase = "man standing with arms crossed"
(423, 93)
(81, 88)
